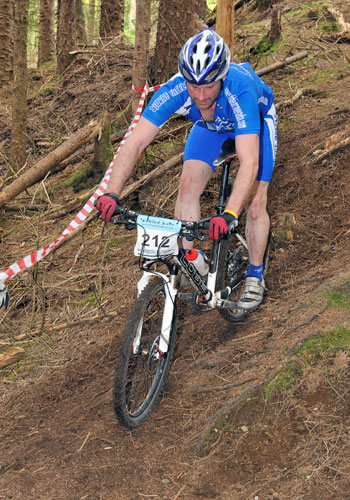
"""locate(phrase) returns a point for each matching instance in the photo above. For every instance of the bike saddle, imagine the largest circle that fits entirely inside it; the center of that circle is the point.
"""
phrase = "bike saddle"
(228, 150)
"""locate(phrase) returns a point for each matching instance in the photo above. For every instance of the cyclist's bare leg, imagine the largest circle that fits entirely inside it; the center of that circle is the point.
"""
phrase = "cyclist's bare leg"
(257, 232)
(194, 178)
(258, 223)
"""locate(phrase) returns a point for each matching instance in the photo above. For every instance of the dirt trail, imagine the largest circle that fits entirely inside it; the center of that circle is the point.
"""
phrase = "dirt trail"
(59, 438)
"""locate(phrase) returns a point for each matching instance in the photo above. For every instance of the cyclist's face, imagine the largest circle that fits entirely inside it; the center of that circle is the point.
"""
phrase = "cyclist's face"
(204, 96)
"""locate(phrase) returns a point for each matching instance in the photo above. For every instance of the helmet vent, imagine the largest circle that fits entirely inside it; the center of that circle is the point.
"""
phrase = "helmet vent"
(204, 58)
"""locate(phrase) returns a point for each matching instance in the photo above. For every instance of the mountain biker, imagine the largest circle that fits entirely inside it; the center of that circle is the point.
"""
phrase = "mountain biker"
(223, 100)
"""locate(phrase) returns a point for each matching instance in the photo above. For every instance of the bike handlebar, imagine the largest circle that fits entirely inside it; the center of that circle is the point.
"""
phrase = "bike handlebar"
(190, 230)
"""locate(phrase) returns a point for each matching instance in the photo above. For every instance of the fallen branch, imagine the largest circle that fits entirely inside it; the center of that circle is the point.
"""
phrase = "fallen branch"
(172, 162)
(281, 64)
(334, 143)
(344, 33)
(115, 138)
(221, 387)
(290, 102)
(126, 192)
(76, 203)
(41, 169)
(64, 326)
(11, 356)
(83, 152)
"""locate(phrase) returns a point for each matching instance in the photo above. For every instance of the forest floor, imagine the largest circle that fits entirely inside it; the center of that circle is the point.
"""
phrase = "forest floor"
(59, 438)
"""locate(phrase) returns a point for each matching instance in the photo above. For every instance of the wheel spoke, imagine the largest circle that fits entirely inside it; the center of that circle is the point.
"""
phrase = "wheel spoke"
(139, 382)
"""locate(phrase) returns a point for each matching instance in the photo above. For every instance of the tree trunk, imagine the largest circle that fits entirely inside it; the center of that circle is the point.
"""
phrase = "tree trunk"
(80, 31)
(6, 41)
(225, 22)
(65, 34)
(90, 175)
(177, 21)
(275, 29)
(103, 152)
(112, 18)
(140, 60)
(46, 51)
(91, 31)
(19, 104)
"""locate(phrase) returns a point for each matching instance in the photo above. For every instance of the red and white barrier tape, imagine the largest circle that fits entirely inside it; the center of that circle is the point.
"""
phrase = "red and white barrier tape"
(30, 260)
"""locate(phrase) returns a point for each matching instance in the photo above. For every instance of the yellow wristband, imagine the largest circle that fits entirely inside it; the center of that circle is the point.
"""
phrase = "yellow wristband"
(232, 213)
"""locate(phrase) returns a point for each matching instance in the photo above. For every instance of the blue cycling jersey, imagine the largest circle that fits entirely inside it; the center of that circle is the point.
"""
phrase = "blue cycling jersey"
(243, 100)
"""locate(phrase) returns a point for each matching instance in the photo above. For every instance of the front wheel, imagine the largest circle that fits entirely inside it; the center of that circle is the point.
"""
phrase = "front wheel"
(142, 368)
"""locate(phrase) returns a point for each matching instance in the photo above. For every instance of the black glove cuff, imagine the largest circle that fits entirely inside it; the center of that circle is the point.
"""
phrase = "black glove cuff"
(114, 197)
(229, 217)
(231, 221)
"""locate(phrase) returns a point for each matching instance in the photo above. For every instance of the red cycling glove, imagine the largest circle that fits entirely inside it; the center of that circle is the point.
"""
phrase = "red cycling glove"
(107, 204)
(221, 225)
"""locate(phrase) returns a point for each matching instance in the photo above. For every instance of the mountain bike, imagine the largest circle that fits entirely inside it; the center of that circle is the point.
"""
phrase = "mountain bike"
(149, 337)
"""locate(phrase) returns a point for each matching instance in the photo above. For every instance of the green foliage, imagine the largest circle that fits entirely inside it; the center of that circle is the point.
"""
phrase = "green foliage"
(211, 4)
(33, 31)
(128, 30)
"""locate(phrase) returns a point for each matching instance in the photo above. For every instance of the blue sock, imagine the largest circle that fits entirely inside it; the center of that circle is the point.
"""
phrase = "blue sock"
(255, 271)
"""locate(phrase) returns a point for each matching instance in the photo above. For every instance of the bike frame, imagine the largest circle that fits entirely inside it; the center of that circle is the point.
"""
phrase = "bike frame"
(208, 297)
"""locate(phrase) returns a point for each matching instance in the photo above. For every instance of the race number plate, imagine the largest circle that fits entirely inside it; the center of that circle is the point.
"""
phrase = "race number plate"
(156, 236)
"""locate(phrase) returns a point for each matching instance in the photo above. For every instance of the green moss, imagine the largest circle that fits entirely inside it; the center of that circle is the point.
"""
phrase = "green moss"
(65, 183)
(221, 424)
(285, 380)
(325, 76)
(90, 299)
(339, 338)
(117, 242)
(327, 27)
(314, 348)
(340, 297)
(50, 64)
(313, 10)
(263, 46)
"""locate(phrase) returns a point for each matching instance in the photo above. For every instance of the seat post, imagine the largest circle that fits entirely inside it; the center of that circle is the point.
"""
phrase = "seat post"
(220, 207)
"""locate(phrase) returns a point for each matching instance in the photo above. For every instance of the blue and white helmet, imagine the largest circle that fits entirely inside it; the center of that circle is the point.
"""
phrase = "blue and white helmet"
(204, 58)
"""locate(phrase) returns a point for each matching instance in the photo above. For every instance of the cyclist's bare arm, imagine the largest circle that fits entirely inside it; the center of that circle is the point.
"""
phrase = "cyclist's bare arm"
(247, 149)
(141, 137)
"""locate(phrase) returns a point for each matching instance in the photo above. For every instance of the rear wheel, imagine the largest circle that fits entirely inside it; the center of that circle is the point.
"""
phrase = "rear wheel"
(141, 368)
(233, 263)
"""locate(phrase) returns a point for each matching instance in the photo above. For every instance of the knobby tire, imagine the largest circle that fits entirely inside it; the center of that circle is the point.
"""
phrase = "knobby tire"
(140, 377)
